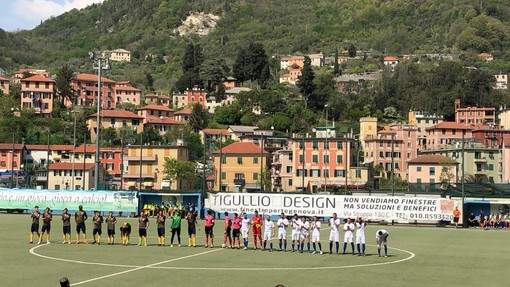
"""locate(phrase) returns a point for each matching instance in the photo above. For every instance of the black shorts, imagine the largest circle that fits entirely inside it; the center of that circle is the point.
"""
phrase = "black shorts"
(142, 232)
(46, 228)
(236, 233)
(34, 227)
(209, 231)
(228, 231)
(161, 231)
(456, 219)
(81, 227)
(111, 232)
(66, 229)
(192, 230)
(125, 233)
(97, 231)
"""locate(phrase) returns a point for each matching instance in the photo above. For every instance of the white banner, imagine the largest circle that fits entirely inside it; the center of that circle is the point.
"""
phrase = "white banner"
(400, 208)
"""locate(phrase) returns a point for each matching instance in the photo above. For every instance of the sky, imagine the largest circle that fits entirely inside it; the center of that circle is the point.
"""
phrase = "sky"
(26, 14)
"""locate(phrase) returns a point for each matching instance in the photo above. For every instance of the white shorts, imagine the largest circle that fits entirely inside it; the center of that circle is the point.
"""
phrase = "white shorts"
(295, 234)
(348, 237)
(382, 241)
(267, 236)
(316, 237)
(245, 232)
(304, 235)
(334, 236)
(360, 239)
(282, 234)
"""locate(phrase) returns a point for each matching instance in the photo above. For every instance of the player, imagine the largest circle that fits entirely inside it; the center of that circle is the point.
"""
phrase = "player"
(143, 224)
(268, 233)
(227, 234)
(282, 231)
(125, 233)
(304, 228)
(348, 235)
(176, 228)
(381, 237)
(296, 226)
(66, 227)
(35, 216)
(360, 236)
(110, 226)
(456, 217)
(334, 236)
(236, 231)
(209, 225)
(80, 217)
(316, 235)
(256, 222)
(245, 229)
(46, 227)
(160, 224)
(98, 224)
(192, 229)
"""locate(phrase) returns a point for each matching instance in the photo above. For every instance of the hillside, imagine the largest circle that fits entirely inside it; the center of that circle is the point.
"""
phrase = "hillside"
(147, 27)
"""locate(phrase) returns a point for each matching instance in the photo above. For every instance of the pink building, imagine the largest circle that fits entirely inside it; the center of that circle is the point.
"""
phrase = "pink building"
(155, 111)
(432, 169)
(157, 99)
(126, 93)
(505, 159)
(490, 135)
(9, 160)
(474, 115)
(402, 139)
(85, 86)
(189, 97)
(37, 93)
(182, 115)
(446, 133)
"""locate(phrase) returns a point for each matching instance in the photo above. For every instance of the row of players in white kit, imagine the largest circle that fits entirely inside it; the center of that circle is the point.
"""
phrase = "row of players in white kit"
(301, 234)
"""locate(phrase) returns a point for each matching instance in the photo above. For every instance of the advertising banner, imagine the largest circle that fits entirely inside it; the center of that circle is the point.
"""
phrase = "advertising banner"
(400, 208)
(124, 201)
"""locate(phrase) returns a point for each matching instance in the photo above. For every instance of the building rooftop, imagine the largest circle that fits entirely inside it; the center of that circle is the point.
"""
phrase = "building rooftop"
(241, 148)
(155, 107)
(432, 159)
(38, 78)
(215, 132)
(69, 166)
(117, 114)
(243, 129)
(449, 125)
(91, 78)
(185, 111)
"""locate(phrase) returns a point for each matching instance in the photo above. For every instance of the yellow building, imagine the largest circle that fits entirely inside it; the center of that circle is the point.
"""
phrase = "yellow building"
(147, 162)
(240, 166)
(4, 85)
(120, 55)
(114, 119)
(61, 176)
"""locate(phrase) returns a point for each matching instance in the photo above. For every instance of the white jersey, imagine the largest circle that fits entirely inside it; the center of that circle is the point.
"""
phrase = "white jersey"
(268, 226)
(333, 234)
(316, 231)
(245, 224)
(348, 228)
(282, 228)
(305, 229)
(296, 228)
(360, 232)
(383, 237)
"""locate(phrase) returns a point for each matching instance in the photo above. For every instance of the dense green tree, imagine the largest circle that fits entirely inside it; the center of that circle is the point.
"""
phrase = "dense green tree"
(228, 115)
(336, 66)
(306, 83)
(199, 117)
(63, 89)
(252, 64)
(213, 72)
(179, 170)
(352, 51)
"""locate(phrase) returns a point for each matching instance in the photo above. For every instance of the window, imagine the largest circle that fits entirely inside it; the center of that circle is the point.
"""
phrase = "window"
(432, 180)
(239, 160)
(326, 173)
(418, 180)
(57, 186)
(315, 172)
(432, 171)
(255, 160)
(443, 131)
(418, 168)
(223, 175)
(290, 182)
(301, 158)
(2, 163)
(381, 154)
(109, 155)
(490, 167)
(326, 158)
(358, 173)
(339, 173)
(315, 145)
(478, 155)
(255, 176)
(239, 176)
(289, 169)
(109, 166)
(223, 160)
(301, 145)
(291, 156)
(381, 144)
(339, 145)
(315, 158)
(491, 155)
(300, 172)
(339, 159)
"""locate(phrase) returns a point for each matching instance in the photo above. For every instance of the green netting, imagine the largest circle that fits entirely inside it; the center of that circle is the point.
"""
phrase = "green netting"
(471, 189)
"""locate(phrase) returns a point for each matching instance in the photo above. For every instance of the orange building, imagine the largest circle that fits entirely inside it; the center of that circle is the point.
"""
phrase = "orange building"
(37, 93)
(85, 86)
(4, 85)
(126, 93)
(474, 115)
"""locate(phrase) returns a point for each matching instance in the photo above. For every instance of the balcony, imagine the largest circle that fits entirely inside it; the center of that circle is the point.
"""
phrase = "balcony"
(480, 172)
(240, 181)
(480, 159)
(138, 158)
(137, 175)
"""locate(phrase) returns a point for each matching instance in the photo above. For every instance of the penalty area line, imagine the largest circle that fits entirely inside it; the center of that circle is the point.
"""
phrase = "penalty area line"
(143, 267)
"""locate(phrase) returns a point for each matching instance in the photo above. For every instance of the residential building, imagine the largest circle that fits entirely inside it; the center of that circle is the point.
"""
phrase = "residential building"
(486, 57)
(390, 62)
(119, 55)
(240, 164)
(422, 121)
(157, 99)
(60, 153)
(490, 135)
(323, 161)
(215, 135)
(282, 170)
(8, 160)
(2, 72)
(163, 124)
(292, 62)
(505, 159)
(291, 77)
(481, 163)
(354, 83)
(474, 115)
(86, 88)
(183, 115)
(126, 93)
(114, 119)
(238, 131)
(147, 162)
(230, 82)
(61, 176)
(27, 73)
(189, 97)
(37, 93)
(501, 82)
(367, 129)
(432, 169)
(4, 85)
(317, 60)
(504, 118)
(446, 133)
(155, 111)
(391, 149)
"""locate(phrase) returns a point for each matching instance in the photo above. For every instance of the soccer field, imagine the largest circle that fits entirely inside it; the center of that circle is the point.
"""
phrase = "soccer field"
(419, 256)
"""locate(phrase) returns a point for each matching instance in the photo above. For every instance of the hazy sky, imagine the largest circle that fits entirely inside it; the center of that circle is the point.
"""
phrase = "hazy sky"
(26, 14)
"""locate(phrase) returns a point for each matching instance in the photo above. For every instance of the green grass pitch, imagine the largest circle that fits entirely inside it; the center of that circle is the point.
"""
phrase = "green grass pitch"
(442, 257)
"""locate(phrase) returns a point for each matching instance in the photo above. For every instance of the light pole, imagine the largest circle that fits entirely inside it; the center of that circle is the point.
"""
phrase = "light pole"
(326, 162)
(141, 158)
(74, 148)
(303, 165)
(326, 107)
(100, 59)
(221, 162)
(392, 165)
